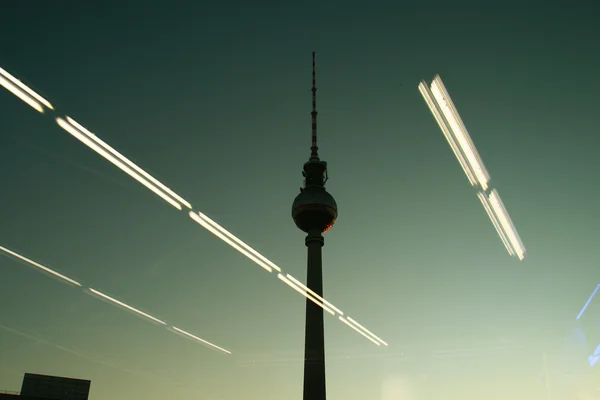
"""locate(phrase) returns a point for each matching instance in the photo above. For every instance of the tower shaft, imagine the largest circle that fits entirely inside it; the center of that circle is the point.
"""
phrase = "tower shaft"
(314, 351)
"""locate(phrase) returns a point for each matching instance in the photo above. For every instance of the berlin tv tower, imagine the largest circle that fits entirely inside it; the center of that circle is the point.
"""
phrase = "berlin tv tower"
(314, 211)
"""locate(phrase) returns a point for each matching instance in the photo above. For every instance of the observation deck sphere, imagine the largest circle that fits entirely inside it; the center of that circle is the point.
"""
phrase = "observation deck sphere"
(314, 208)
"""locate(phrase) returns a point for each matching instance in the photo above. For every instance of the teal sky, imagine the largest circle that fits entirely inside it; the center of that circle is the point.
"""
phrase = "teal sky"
(213, 99)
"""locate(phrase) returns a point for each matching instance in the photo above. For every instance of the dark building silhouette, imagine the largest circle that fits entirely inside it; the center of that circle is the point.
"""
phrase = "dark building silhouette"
(45, 387)
(314, 211)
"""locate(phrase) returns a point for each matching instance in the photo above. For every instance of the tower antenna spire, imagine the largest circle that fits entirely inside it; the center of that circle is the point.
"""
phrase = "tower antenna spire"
(314, 149)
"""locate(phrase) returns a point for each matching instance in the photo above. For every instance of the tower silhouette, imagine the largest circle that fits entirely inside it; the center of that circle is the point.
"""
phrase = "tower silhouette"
(314, 211)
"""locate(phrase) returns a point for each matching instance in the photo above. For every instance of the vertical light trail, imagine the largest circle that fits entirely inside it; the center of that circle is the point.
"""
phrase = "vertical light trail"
(128, 162)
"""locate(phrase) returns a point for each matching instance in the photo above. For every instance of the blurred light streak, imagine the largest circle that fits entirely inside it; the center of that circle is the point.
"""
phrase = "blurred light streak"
(428, 96)
(96, 292)
(40, 266)
(495, 222)
(21, 333)
(60, 157)
(224, 238)
(358, 330)
(305, 294)
(231, 240)
(126, 165)
(20, 94)
(201, 340)
(135, 310)
(309, 290)
(460, 131)
(588, 302)
(85, 140)
(368, 331)
(37, 338)
(439, 102)
(128, 162)
(507, 224)
(87, 355)
(238, 241)
(25, 89)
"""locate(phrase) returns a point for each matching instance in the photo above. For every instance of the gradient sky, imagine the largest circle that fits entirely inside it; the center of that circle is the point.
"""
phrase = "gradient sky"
(214, 100)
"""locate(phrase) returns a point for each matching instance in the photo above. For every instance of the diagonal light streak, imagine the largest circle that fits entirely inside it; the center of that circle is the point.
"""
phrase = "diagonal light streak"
(38, 339)
(488, 208)
(587, 303)
(105, 296)
(367, 331)
(433, 107)
(201, 340)
(358, 330)
(305, 294)
(442, 107)
(25, 89)
(238, 241)
(40, 266)
(127, 306)
(507, 224)
(83, 354)
(227, 240)
(314, 294)
(109, 153)
(20, 94)
(460, 132)
(85, 140)
(128, 162)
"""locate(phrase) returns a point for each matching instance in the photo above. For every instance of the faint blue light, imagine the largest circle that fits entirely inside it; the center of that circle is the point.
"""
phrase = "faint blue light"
(588, 302)
(594, 358)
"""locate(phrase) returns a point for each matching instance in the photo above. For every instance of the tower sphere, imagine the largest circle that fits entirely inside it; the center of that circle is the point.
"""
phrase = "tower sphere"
(314, 208)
